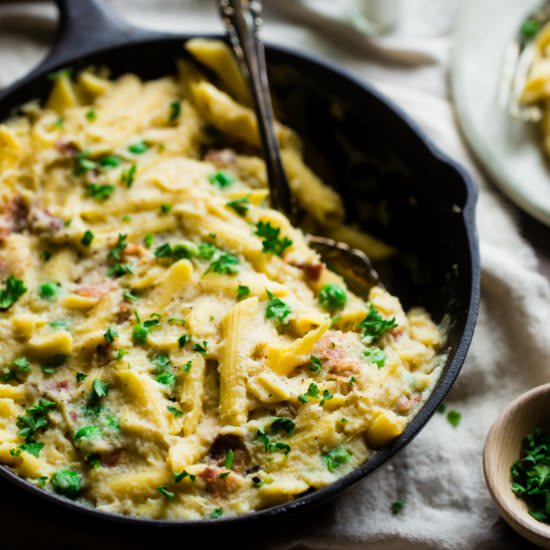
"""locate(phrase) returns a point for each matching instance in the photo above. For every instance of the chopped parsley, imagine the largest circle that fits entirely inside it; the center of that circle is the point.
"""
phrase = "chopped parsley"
(206, 251)
(120, 353)
(118, 248)
(221, 179)
(315, 364)
(110, 161)
(176, 412)
(332, 297)
(224, 264)
(187, 366)
(48, 290)
(200, 347)
(163, 371)
(100, 389)
(128, 175)
(87, 432)
(270, 446)
(531, 474)
(183, 340)
(176, 321)
(239, 205)
(277, 310)
(184, 250)
(53, 363)
(182, 475)
(67, 483)
(327, 396)
(100, 191)
(148, 240)
(46, 255)
(352, 381)
(282, 424)
(217, 513)
(119, 270)
(138, 147)
(87, 238)
(165, 208)
(271, 243)
(374, 325)
(110, 335)
(164, 491)
(22, 364)
(376, 356)
(312, 392)
(93, 460)
(14, 289)
(453, 418)
(58, 124)
(397, 505)
(129, 296)
(242, 292)
(175, 110)
(529, 28)
(83, 164)
(442, 408)
(335, 458)
(35, 419)
(91, 115)
(60, 323)
(32, 448)
(80, 377)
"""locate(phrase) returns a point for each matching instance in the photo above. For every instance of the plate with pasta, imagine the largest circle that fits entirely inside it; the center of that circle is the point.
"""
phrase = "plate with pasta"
(174, 351)
(513, 151)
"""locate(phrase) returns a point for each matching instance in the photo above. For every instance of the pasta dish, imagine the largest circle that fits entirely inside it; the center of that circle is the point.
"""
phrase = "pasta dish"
(172, 347)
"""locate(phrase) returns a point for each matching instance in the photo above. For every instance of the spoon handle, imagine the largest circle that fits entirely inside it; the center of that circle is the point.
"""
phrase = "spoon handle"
(243, 20)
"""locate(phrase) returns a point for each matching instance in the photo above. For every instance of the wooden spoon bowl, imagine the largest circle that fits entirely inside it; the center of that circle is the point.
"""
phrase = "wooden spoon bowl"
(529, 411)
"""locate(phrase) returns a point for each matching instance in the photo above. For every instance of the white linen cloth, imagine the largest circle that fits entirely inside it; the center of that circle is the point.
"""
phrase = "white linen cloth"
(440, 473)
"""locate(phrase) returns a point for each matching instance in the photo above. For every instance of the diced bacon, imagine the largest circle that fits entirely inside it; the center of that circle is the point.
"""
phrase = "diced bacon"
(332, 349)
(134, 250)
(123, 313)
(217, 485)
(14, 219)
(67, 148)
(93, 291)
(62, 385)
(42, 221)
(73, 415)
(113, 458)
(221, 157)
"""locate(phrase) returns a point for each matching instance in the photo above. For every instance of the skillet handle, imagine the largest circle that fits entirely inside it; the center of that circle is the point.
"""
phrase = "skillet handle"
(86, 26)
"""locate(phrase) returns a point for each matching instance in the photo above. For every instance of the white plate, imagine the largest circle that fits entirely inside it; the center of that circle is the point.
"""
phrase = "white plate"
(511, 151)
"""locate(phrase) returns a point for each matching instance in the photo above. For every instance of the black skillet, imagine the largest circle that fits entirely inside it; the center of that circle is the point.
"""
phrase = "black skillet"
(364, 146)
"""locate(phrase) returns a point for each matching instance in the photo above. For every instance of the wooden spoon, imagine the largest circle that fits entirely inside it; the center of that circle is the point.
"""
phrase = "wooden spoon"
(529, 411)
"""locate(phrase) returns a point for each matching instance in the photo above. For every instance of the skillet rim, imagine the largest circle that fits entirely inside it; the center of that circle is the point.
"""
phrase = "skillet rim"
(447, 377)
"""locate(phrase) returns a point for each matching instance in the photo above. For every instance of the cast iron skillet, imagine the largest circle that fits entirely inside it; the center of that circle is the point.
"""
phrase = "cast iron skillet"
(362, 145)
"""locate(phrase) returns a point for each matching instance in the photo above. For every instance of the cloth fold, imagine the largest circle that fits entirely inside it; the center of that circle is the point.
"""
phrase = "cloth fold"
(439, 474)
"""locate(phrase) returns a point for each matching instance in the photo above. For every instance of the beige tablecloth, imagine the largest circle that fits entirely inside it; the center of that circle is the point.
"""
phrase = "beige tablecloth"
(440, 473)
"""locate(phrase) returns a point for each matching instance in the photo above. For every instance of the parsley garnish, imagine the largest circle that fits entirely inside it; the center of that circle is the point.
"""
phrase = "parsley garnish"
(46, 255)
(58, 124)
(442, 408)
(110, 161)
(225, 264)
(332, 297)
(182, 475)
(118, 248)
(35, 419)
(239, 205)
(335, 458)
(110, 334)
(148, 240)
(397, 505)
(67, 483)
(175, 110)
(80, 377)
(119, 270)
(281, 423)
(229, 459)
(48, 290)
(454, 417)
(187, 366)
(312, 391)
(91, 115)
(128, 175)
(164, 491)
(206, 251)
(22, 364)
(83, 164)
(163, 371)
(15, 288)
(221, 179)
(217, 513)
(33, 448)
(174, 411)
(315, 364)
(529, 29)
(94, 460)
(184, 250)
(183, 340)
(60, 323)
(201, 348)
(165, 208)
(271, 243)
(100, 191)
(100, 389)
(269, 446)
(374, 325)
(375, 356)
(177, 321)
(242, 292)
(87, 432)
(87, 238)
(277, 310)
(327, 396)
(129, 296)
(138, 147)
(141, 330)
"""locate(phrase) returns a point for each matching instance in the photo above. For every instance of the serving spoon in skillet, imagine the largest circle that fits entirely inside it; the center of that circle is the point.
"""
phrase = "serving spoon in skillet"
(243, 20)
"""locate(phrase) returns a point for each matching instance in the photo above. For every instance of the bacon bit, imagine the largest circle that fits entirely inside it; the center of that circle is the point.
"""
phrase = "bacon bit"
(74, 415)
(311, 271)
(216, 485)
(331, 349)
(103, 353)
(41, 220)
(90, 291)
(405, 404)
(67, 148)
(62, 385)
(221, 157)
(15, 217)
(124, 312)
(113, 458)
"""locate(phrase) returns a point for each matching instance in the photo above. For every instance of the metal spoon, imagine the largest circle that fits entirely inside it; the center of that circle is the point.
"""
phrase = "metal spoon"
(243, 20)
